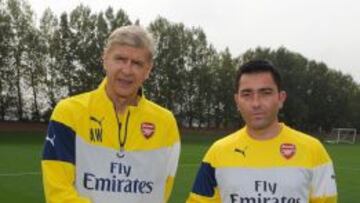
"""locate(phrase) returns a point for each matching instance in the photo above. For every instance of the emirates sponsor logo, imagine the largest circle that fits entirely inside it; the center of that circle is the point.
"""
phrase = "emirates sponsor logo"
(287, 150)
(147, 129)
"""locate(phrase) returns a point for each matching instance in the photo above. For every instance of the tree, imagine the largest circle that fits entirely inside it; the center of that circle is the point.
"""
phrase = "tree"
(166, 83)
(39, 66)
(48, 27)
(340, 94)
(34, 76)
(225, 111)
(115, 21)
(87, 53)
(354, 106)
(6, 87)
(64, 47)
(208, 84)
(21, 21)
(292, 67)
(199, 88)
(196, 70)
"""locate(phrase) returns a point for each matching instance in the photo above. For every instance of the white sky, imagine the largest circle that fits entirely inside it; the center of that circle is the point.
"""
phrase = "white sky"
(321, 30)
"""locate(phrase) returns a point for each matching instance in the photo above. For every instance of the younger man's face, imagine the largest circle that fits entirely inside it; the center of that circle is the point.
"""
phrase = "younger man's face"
(259, 100)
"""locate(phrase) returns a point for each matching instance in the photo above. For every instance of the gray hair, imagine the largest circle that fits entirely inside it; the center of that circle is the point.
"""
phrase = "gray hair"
(134, 36)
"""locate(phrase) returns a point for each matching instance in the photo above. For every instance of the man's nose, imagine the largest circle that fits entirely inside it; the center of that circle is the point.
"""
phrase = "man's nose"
(255, 102)
(126, 67)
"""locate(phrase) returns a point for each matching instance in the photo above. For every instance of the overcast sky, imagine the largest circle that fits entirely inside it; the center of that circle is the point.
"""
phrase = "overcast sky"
(321, 30)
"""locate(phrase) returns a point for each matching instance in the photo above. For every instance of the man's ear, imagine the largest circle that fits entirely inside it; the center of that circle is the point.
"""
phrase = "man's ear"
(149, 71)
(282, 98)
(236, 101)
(103, 58)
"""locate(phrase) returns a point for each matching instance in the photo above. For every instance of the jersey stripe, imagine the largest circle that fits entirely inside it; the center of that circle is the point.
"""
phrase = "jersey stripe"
(60, 143)
(205, 181)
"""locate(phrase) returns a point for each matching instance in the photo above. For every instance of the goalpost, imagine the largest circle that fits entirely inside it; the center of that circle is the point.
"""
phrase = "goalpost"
(342, 135)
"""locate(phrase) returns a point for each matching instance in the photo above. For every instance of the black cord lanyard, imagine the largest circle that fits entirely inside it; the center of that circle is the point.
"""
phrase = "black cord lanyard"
(122, 142)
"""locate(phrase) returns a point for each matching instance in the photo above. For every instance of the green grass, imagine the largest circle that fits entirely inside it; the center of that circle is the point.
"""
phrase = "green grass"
(21, 152)
(347, 167)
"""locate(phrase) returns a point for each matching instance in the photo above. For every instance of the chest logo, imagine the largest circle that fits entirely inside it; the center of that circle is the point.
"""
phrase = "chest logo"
(96, 129)
(147, 129)
(287, 150)
(241, 151)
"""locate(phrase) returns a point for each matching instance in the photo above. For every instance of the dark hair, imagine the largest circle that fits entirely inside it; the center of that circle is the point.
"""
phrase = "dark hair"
(258, 66)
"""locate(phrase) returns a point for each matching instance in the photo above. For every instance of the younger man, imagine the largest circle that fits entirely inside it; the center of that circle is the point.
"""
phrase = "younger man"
(265, 161)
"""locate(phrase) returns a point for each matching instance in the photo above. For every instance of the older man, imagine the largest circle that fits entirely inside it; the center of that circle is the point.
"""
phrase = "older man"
(112, 144)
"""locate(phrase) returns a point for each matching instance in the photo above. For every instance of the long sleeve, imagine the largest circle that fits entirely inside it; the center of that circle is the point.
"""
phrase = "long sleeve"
(58, 178)
(174, 158)
(323, 184)
(173, 168)
(58, 163)
(205, 186)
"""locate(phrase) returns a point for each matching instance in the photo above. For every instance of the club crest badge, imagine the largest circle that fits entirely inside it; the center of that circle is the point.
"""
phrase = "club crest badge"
(147, 129)
(287, 150)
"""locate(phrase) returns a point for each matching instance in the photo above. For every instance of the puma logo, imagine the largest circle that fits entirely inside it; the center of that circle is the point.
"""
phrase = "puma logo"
(241, 151)
(51, 139)
(92, 118)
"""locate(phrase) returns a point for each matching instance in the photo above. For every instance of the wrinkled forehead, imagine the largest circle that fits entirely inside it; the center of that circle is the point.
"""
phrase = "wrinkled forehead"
(125, 49)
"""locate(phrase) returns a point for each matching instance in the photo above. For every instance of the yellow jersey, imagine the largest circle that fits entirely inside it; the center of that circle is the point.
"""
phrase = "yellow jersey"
(92, 154)
(290, 168)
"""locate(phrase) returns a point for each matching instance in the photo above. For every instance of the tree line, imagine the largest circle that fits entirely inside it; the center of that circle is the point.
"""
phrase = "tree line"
(44, 61)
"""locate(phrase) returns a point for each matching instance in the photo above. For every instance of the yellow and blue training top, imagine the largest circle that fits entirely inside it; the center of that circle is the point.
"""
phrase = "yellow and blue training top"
(291, 168)
(92, 154)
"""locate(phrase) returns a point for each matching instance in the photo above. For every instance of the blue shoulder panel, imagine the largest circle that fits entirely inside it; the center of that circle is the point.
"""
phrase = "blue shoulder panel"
(205, 181)
(59, 143)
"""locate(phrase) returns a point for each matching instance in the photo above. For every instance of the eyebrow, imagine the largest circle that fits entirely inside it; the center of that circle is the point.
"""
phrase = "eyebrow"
(257, 90)
(266, 89)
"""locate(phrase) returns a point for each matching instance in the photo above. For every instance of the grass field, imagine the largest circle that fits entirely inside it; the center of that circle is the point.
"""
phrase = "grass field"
(20, 177)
